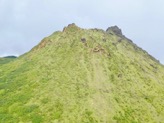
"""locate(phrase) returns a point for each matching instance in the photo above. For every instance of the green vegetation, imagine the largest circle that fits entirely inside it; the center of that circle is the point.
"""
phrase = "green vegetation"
(82, 76)
(7, 59)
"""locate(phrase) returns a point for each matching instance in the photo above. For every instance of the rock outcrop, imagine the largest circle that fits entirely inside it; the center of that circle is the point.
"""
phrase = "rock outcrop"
(114, 29)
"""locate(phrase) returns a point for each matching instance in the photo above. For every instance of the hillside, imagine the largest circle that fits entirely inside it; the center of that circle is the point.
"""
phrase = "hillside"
(83, 76)
(7, 59)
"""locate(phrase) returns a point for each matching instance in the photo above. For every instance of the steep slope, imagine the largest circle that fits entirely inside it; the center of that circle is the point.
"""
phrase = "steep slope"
(83, 76)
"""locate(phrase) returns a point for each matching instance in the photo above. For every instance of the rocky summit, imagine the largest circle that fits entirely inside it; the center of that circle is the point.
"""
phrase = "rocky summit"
(83, 76)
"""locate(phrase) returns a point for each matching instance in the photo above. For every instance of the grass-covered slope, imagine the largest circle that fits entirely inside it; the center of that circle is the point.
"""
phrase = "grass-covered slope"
(7, 59)
(83, 76)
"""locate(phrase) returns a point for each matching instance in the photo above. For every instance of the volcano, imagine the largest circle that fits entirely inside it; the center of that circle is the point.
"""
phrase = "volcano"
(83, 76)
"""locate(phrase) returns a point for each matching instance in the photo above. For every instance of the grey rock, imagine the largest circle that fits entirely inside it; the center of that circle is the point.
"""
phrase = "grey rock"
(114, 29)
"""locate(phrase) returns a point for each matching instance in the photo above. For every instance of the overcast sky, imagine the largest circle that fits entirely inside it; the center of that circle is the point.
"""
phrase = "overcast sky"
(23, 23)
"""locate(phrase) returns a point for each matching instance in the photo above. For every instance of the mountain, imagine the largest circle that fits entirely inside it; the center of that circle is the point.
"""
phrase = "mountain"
(7, 59)
(83, 76)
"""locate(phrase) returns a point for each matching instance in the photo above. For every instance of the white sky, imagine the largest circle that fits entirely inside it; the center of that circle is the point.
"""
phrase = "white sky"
(23, 23)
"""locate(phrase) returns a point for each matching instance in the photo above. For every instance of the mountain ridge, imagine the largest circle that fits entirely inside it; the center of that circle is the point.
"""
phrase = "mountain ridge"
(113, 30)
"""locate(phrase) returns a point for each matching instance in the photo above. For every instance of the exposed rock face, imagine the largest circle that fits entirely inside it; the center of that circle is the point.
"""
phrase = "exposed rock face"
(71, 27)
(114, 29)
